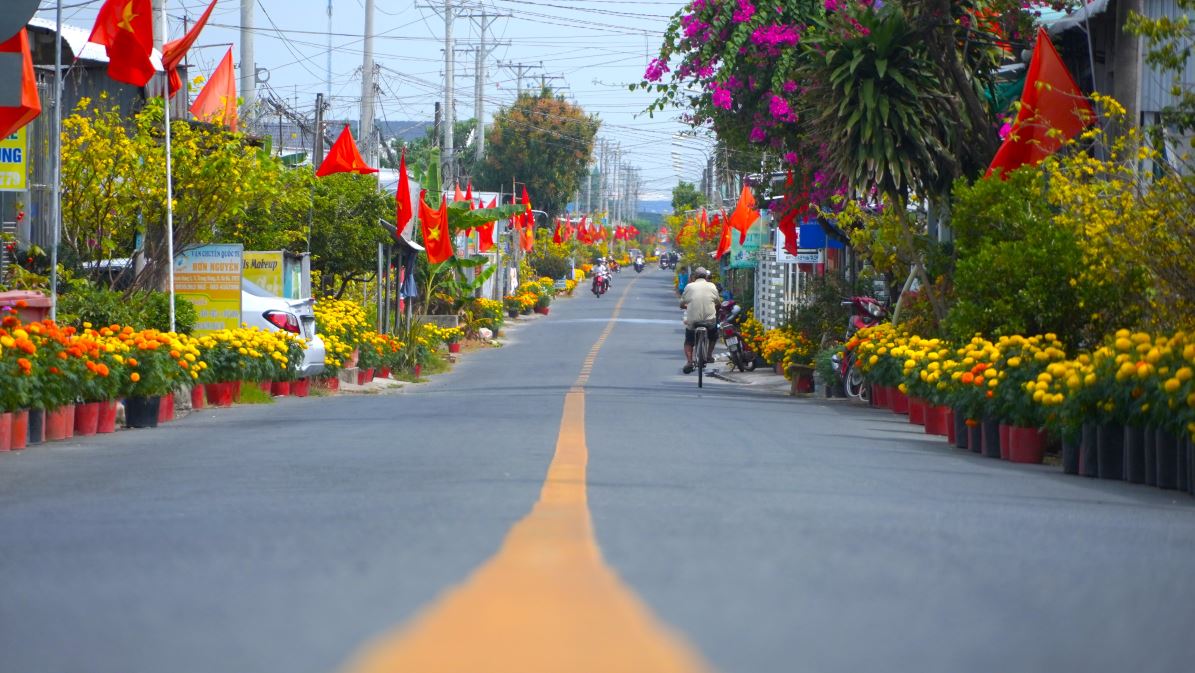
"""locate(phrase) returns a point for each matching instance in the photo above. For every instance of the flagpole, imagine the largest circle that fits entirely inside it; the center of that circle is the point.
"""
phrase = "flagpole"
(56, 145)
(169, 177)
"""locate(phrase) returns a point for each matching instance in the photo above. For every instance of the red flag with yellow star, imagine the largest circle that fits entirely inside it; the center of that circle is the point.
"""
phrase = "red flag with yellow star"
(126, 29)
(434, 226)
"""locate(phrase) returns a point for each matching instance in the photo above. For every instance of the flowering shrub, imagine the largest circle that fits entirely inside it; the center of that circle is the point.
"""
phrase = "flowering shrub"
(343, 327)
(788, 348)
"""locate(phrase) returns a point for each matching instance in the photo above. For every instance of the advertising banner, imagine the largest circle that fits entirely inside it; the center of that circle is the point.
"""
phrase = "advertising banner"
(744, 256)
(265, 270)
(14, 162)
(209, 276)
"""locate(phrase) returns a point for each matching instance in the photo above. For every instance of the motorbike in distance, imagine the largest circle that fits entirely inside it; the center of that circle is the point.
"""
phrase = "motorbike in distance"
(866, 312)
(729, 317)
(639, 263)
(601, 283)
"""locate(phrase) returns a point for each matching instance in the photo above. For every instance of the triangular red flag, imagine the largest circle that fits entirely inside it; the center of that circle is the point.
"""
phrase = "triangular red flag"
(745, 214)
(457, 194)
(1053, 110)
(485, 232)
(723, 240)
(13, 117)
(402, 195)
(344, 158)
(217, 101)
(174, 51)
(469, 192)
(126, 29)
(558, 234)
(434, 227)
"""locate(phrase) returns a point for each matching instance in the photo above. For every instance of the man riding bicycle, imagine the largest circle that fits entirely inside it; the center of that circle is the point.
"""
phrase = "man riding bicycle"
(700, 301)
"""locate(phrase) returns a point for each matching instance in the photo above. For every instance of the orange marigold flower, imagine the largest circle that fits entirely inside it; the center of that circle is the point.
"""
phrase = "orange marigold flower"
(132, 362)
(134, 377)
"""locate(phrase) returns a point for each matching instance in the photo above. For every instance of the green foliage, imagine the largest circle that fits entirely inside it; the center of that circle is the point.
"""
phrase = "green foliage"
(543, 141)
(552, 259)
(253, 394)
(140, 309)
(1169, 41)
(823, 317)
(685, 196)
(345, 231)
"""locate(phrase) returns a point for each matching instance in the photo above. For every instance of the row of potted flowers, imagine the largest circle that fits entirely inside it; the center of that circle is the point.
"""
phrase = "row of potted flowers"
(1122, 410)
(54, 377)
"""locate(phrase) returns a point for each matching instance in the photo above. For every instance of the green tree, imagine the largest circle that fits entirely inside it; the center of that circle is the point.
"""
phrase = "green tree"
(686, 197)
(541, 140)
(345, 232)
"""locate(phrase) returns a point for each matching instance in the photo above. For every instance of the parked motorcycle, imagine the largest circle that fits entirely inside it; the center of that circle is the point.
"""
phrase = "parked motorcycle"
(867, 312)
(730, 315)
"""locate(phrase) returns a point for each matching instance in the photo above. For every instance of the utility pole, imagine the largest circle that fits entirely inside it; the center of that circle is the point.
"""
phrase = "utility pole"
(317, 154)
(588, 188)
(483, 52)
(437, 122)
(449, 103)
(248, 62)
(366, 132)
(328, 63)
(520, 70)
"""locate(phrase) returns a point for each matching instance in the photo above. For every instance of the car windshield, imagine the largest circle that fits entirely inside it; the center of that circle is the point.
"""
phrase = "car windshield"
(255, 289)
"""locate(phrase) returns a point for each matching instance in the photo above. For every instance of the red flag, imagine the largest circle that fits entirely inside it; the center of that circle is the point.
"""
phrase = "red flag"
(217, 102)
(527, 238)
(402, 194)
(724, 240)
(1050, 101)
(126, 29)
(485, 233)
(457, 195)
(344, 158)
(744, 214)
(469, 194)
(434, 226)
(12, 118)
(788, 227)
(174, 51)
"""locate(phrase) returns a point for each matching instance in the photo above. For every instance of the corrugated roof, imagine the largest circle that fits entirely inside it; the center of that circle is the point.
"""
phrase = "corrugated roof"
(76, 39)
(1057, 22)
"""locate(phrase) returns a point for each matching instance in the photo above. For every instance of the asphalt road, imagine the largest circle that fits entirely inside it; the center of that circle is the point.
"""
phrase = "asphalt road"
(770, 535)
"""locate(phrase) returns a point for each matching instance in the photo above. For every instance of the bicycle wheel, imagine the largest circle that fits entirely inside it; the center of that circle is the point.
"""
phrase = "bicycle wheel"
(701, 347)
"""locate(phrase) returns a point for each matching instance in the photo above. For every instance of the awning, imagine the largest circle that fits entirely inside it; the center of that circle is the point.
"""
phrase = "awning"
(1056, 21)
(403, 242)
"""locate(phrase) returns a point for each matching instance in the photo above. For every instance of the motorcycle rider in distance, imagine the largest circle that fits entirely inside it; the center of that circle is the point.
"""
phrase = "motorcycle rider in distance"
(601, 274)
(700, 300)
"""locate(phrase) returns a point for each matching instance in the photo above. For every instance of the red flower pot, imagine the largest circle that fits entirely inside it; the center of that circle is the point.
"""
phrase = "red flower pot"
(6, 431)
(879, 395)
(280, 388)
(267, 387)
(1026, 445)
(898, 401)
(218, 394)
(197, 397)
(454, 347)
(384, 373)
(362, 376)
(300, 388)
(1004, 430)
(87, 418)
(917, 410)
(107, 417)
(951, 433)
(56, 422)
(236, 390)
(418, 370)
(331, 382)
(937, 420)
(20, 430)
(166, 408)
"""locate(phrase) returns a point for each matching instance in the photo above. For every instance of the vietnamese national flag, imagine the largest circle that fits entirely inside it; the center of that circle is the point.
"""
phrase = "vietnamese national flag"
(527, 238)
(344, 157)
(745, 214)
(174, 51)
(723, 240)
(485, 232)
(126, 29)
(217, 101)
(28, 104)
(434, 226)
(1050, 101)
(402, 195)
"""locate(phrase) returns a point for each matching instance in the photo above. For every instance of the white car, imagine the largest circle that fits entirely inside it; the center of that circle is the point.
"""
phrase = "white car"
(266, 311)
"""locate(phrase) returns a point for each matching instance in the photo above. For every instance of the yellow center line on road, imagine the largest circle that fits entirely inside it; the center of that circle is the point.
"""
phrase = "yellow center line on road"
(546, 602)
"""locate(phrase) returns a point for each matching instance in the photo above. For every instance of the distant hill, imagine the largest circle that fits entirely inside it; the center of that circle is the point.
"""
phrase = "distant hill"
(659, 207)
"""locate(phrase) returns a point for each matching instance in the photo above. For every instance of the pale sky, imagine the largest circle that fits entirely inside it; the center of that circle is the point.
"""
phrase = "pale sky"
(592, 48)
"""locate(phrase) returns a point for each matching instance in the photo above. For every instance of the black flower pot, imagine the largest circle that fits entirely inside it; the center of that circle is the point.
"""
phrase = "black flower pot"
(991, 438)
(1183, 468)
(960, 429)
(141, 412)
(1110, 450)
(1151, 457)
(1167, 445)
(1071, 448)
(1134, 453)
(1088, 465)
(975, 438)
(37, 427)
